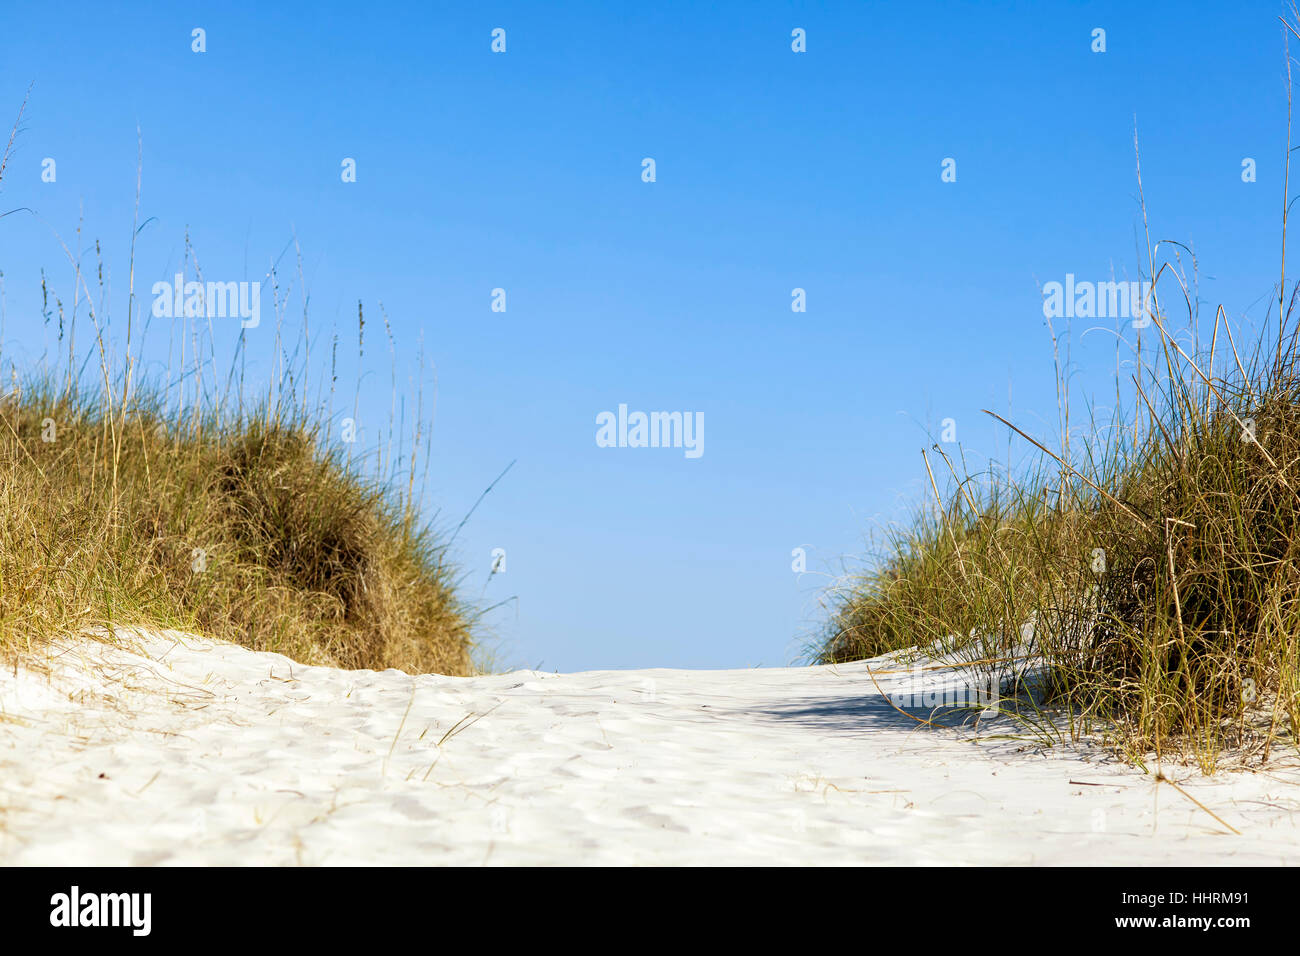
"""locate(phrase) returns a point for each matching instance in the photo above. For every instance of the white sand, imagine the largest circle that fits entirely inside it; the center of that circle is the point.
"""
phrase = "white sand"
(190, 752)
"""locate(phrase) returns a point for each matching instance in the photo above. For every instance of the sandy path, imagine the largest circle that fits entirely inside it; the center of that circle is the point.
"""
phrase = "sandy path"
(198, 753)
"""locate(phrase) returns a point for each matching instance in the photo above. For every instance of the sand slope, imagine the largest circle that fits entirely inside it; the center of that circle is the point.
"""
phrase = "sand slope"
(186, 751)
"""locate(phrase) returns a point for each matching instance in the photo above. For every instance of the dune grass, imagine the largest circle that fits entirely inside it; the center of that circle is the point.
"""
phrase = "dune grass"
(188, 501)
(1151, 567)
(249, 530)
(1157, 578)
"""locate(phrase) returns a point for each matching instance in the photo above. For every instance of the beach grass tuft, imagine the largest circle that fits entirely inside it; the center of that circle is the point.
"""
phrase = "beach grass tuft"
(1149, 563)
(188, 500)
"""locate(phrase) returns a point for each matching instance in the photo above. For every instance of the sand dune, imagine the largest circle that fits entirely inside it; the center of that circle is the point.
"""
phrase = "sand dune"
(177, 750)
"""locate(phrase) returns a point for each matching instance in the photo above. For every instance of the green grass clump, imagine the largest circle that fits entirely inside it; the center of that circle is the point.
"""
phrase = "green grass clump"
(1152, 573)
(1156, 575)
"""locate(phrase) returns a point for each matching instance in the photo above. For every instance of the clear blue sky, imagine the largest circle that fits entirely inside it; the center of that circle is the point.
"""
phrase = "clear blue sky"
(775, 170)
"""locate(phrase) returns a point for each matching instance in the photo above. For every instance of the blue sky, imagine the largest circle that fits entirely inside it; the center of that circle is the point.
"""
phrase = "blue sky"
(775, 170)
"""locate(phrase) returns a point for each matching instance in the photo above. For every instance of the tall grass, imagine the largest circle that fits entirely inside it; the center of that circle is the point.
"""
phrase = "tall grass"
(189, 499)
(1157, 580)
(1152, 569)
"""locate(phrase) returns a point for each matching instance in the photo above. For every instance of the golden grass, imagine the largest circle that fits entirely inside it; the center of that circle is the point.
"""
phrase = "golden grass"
(230, 516)
(247, 530)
